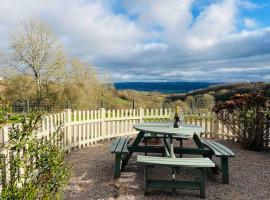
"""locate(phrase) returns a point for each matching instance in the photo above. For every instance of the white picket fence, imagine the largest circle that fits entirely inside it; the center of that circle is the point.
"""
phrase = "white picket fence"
(82, 128)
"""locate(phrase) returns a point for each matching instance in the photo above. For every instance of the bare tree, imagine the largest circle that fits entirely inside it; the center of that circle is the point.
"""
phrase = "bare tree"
(38, 52)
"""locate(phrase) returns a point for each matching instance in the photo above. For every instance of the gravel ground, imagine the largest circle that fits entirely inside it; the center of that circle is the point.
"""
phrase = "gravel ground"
(92, 177)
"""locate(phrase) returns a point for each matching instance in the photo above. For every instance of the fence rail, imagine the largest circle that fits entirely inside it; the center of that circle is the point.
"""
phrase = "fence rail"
(83, 128)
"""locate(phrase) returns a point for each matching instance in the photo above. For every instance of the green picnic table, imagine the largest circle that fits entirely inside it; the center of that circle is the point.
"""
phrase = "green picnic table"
(168, 132)
(124, 149)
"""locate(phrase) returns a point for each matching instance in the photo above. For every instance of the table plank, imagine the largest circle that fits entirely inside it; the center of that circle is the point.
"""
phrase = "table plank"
(183, 162)
(219, 149)
(185, 130)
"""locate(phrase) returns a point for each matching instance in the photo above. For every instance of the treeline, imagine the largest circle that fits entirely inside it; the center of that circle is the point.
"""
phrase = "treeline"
(201, 103)
(36, 69)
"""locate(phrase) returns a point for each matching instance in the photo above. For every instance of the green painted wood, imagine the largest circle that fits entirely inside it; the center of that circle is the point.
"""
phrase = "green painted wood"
(181, 145)
(225, 170)
(149, 135)
(224, 148)
(120, 145)
(125, 149)
(221, 151)
(176, 162)
(197, 141)
(145, 179)
(185, 130)
(117, 165)
(138, 139)
(218, 149)
(166, 141)
(114, 144)
(177, 150)
(135, 143)
(202, 180)
(192, 185)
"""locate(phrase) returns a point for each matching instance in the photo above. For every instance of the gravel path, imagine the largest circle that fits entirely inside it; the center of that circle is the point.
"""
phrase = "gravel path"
(92, 172)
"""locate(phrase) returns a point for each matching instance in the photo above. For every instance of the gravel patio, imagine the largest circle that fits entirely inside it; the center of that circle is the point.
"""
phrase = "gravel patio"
(92, 177)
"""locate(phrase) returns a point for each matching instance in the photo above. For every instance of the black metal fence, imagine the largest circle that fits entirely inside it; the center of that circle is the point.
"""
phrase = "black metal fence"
(28, 106)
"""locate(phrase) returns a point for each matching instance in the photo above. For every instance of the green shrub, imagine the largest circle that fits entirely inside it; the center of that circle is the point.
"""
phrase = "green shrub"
(37, 167)
(247, 116)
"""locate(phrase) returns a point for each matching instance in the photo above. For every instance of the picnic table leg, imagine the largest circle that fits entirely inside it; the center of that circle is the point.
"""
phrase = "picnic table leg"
(202, 180)
(145, 179)
(213, 170)
(171, 147)
(181, 145)
(135, 143)
(225, 170)
(167, 149)
(117, 165)
(145, 144)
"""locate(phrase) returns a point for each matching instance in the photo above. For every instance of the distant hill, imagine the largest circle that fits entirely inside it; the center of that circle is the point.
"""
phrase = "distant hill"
(163, 87)
(223, 92)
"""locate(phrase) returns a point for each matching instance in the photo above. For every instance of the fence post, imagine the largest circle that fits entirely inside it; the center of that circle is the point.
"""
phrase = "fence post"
(163, 107)
(171, 114)
(68, 136)
(5, 156)
(141, 114)
(68, 106)
(5, 134)
(216, 126)
(28, 106)
(102, 125)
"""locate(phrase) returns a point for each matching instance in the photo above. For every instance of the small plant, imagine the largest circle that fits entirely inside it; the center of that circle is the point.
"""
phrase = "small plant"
(247, 116)
(35, 164)
(5, 110)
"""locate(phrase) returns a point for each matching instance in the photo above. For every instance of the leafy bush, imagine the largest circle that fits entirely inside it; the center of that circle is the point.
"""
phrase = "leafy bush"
(247, 116)
(4, 112)
(37, 168)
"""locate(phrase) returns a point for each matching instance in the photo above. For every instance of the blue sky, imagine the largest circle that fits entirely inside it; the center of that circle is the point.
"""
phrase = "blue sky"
(157, 40)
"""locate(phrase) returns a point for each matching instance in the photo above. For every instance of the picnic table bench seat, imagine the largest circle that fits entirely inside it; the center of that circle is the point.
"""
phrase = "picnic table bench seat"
(223, 153)
(198, 163)
(119, 148)
(218, 149)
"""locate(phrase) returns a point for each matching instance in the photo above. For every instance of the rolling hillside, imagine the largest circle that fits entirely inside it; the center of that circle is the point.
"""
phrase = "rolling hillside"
(225, 91)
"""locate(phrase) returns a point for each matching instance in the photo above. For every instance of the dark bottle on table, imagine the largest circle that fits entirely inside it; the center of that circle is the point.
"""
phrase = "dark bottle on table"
(176, 120)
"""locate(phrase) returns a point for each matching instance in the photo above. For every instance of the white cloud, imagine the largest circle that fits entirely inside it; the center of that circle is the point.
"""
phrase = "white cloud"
(151, 47)
(85, 27)
(163, 20)
(214, 22)
(249, 23)
(154, 39)
(246, 4)
(266, 77)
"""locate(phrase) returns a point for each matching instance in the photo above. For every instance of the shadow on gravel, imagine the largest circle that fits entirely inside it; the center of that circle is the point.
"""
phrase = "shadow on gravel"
(92, 177)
